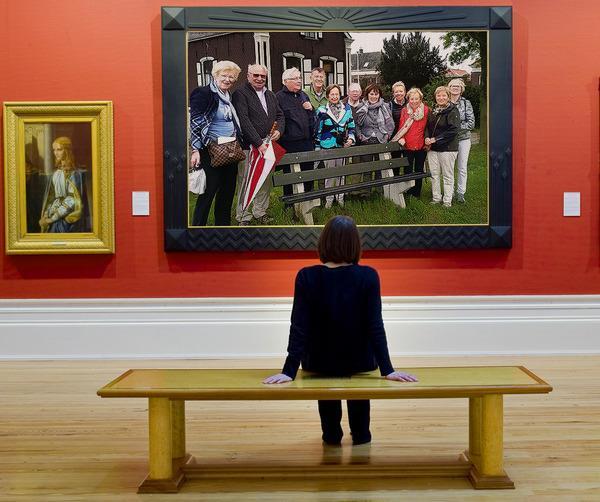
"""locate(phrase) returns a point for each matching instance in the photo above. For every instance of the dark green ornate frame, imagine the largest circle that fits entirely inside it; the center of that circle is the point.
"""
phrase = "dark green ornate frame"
(177, 20)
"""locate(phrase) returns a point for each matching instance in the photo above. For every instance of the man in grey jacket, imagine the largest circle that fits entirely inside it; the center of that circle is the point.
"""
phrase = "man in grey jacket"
(258, 110)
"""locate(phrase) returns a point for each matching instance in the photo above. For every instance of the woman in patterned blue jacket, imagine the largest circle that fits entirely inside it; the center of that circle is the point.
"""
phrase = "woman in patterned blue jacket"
(334, 129)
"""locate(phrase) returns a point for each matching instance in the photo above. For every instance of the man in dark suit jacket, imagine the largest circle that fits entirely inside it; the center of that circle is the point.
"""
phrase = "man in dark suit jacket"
(257, 109)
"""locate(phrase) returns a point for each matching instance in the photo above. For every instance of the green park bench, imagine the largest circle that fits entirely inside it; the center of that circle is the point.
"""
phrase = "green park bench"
(393, 186)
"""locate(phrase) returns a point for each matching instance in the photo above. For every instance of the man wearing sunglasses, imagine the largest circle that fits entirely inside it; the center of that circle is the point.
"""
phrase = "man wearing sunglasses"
(257, 109)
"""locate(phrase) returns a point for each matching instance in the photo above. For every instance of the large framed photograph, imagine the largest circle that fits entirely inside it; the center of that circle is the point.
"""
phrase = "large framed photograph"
(400, 117)
(58, 177)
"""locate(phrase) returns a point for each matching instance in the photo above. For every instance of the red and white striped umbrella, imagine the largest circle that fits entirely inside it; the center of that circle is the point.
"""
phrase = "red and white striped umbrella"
(261, 166)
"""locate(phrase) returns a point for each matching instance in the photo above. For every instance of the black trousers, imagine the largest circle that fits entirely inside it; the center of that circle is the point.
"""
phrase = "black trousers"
(303, 145)
(220, 186)
(359, 417)
(416, 164)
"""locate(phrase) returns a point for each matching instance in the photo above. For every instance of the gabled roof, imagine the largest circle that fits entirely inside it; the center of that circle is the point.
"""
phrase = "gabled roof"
(201, 35)
(455, 72)
(367, 61)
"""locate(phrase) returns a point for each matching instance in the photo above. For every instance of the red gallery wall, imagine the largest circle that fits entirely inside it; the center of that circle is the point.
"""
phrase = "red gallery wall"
(110, 50)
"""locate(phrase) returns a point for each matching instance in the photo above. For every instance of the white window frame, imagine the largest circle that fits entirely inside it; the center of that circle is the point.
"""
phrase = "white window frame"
(296, 55)
(262, 53)
(200, 70)
(312, 35)
(333, 60)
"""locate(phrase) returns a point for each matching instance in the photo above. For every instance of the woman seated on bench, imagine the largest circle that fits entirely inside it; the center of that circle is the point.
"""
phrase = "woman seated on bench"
(337, 328)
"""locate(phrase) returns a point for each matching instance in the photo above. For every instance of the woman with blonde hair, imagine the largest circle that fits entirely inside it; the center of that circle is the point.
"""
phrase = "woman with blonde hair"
(467, 123)
(212, 116)
(398, 101)
(441, 136)
(411, 135)
(64, 208)
(397, 104)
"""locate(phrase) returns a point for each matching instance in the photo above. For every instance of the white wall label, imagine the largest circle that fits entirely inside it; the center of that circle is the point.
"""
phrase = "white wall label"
(572, 204)
(140, 203)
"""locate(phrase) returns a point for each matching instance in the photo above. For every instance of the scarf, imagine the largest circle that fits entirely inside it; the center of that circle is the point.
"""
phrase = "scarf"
(225, 98)
(376, 116)
(441, 109)
(413, 115)
(336, 109)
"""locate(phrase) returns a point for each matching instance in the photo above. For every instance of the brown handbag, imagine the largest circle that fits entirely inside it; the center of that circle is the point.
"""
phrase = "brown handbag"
(225, 153)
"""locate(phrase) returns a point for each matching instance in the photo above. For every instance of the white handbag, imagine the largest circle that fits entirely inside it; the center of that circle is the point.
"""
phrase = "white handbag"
(197, 181)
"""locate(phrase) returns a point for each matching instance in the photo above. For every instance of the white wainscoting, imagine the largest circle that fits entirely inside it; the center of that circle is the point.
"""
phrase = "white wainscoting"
(254, 327)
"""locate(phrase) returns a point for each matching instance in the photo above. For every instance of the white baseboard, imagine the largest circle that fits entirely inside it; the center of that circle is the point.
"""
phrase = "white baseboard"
(255, 327)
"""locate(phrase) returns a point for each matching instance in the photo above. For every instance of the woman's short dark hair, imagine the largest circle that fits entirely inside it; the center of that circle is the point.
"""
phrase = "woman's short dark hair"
(339, 241)
(372, 87)
(331, 88)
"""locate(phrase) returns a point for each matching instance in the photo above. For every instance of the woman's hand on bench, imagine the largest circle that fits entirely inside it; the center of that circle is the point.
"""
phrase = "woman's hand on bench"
(400, 376)
(279, 378)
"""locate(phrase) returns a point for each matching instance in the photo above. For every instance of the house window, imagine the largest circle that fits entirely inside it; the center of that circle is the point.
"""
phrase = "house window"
(312, 35)
(293, 60)
(204, 69)
(328, 64)
(262, 53)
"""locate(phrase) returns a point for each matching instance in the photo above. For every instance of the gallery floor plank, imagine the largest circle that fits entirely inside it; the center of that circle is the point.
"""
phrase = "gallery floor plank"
(60, 442)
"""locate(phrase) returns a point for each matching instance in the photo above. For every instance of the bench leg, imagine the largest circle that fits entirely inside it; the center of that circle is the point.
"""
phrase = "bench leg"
(159, 410)
(165, 424)
(178, 427)
(486, 442)
(302, 209)
(394, 191)
(475, 430)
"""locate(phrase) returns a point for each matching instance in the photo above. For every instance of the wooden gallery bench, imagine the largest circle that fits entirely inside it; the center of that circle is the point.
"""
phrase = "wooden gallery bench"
(393, 186)
(168, 389)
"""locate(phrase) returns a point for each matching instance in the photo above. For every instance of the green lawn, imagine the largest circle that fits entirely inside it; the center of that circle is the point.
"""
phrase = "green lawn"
(375, 210)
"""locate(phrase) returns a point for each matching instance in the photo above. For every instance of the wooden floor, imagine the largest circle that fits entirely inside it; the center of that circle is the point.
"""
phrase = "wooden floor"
(60, 442)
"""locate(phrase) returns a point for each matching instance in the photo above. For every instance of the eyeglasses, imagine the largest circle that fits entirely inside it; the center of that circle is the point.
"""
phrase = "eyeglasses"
(258, 75)
(294, 78)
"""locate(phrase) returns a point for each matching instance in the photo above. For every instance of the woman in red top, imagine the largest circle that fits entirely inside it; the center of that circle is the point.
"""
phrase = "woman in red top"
(411, 135)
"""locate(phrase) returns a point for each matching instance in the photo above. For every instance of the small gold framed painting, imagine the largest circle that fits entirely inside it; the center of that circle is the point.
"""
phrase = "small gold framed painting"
(58, 177)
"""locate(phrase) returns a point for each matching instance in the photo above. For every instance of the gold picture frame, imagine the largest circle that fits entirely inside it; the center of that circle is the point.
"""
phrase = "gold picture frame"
(58, 177)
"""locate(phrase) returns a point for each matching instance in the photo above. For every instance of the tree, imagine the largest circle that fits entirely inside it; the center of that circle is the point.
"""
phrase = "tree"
(410, 58)
(471, 45)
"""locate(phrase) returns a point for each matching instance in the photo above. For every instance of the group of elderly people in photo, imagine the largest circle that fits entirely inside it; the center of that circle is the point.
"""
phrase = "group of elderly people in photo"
(318, 118)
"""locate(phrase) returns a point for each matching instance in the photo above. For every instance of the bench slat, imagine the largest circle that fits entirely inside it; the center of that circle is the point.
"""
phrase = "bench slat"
(280, 179)
(353, 187)
(336, 153)
(246, 384)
